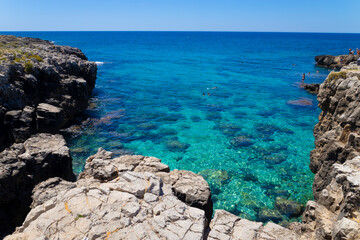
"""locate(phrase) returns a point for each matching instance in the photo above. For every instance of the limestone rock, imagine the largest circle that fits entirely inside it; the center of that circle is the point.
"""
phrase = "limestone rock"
(312, 88)
(273, 231)
(24, 165)
(133, 206)
(190, 188)
(230, 227)
(345, 229)
(187, 186)
(330, 61)
(49, 118)
(335, 160)
(56, 75)
(20, 124)
(101, 166)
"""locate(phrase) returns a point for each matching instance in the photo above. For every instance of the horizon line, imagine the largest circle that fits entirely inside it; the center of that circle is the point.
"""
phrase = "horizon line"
(209, 31)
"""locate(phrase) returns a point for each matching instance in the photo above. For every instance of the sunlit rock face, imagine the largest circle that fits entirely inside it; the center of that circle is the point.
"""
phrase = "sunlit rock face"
(42, 86)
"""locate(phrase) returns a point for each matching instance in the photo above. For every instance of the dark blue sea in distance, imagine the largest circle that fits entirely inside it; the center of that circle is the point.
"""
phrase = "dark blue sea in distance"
(245, 139)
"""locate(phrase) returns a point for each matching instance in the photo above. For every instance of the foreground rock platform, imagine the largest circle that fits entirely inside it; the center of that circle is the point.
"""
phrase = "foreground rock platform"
(118, 198)
(134, 197)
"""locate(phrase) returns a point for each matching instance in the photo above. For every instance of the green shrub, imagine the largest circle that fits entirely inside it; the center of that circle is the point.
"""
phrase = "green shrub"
(37, 57)
(29, 67)
(336, 75)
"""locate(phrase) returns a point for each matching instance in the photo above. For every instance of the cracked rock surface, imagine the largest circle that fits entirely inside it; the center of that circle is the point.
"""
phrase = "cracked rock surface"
(128, 205)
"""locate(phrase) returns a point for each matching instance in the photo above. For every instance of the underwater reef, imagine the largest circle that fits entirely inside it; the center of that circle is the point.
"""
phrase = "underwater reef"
(138, 197)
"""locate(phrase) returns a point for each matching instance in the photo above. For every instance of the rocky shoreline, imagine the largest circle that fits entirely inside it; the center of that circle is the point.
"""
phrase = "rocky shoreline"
(43, 88)
(335, 62)
(138, 197)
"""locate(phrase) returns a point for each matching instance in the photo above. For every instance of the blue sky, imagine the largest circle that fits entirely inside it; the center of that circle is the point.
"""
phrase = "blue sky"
(185, 15)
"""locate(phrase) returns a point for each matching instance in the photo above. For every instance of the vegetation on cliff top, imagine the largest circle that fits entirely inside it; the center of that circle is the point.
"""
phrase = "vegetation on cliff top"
(14, 50)
(336, 75)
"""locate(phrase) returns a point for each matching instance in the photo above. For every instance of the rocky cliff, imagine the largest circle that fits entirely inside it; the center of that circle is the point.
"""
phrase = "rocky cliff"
(335, 62)
(43, 87)
(335, 214)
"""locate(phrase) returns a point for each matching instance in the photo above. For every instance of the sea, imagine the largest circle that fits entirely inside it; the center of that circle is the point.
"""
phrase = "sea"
(225, 105)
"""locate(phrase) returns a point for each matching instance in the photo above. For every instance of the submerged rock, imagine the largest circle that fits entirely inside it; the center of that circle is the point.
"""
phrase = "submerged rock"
(213, 116)
(267, 214)
(240, 141)
(266, 130)
(176, 145)
(249, 177)
(302, 102)
(148, 126)
(275, 158)
(289, 207)
(277, 193)
(218, 177)
(195, 118)
(228, 129)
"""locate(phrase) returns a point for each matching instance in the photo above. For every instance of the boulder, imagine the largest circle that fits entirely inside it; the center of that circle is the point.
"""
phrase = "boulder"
(24, 165)
(49, 118)
(346, 229)
(190, 188)
(20, 124)
(312, 88)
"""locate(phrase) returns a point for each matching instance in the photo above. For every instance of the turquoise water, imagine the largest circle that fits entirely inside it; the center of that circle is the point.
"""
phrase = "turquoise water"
(248, 142)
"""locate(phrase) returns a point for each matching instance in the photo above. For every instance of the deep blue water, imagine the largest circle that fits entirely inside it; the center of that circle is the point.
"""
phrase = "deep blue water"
(245, 139)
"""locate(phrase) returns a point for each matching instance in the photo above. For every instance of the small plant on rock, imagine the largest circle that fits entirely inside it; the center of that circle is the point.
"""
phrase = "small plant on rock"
(28, 67)
(37, 57)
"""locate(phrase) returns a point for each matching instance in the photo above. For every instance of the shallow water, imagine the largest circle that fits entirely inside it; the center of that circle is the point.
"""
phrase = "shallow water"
(248, 142)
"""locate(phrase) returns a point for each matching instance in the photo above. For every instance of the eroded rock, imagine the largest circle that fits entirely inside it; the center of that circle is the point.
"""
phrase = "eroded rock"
(134, 205)
(24, 165)
(57, 80)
